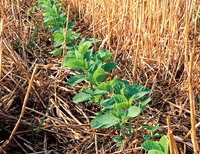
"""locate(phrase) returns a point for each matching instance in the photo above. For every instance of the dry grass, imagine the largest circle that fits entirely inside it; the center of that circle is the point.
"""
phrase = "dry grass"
(151, 41)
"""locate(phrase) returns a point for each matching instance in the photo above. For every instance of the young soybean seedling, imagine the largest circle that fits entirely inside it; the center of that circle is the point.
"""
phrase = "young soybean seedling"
(151, 130)
(155, 147)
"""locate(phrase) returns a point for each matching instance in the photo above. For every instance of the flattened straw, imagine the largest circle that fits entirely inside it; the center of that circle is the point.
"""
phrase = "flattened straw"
(75, 148)
(192, 104)
(172, 142)
(1, 46)
(12, 54)
(23, 107)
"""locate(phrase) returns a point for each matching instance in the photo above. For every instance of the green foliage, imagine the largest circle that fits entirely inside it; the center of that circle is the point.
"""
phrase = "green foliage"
(151, 130)
(76, 79)
(78, 63)
(109, 66)
(155, 147)
(104, 121)
(133, 111)
(119, 140)
(53, 15)
(99, 75)
(136, 90)
(103, 55)
(55, 19)
(81, 97)
(120, 101)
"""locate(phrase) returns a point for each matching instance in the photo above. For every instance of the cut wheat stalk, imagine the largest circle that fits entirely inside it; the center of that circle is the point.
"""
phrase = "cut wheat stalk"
(192, 104)
(172, 142)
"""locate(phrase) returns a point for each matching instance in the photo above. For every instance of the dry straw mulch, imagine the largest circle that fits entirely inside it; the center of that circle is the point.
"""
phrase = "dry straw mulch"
(155, 43)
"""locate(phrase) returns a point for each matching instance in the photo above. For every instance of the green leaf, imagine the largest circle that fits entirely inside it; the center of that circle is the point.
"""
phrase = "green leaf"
(32, 9)
(111, 83)
(130, 102)
(109, 66)
(119, 144)
(68, 59)
(147, 127)
(126, 83)
(88, 91)
(118, 139)
(78, 63)
(128, 131)
(97, 98)
(88, 56)
(158, 134)
(133, 111)
(104, 121)
(119, 112)
(56, 52)
(58, 5)
(76, 79)
(123, 105)
(146, 137)
(81, 97)
(152, 145)
(136, 90)
(78, 55)
(97, 64)
(120, 98)
(71, 53)
(143, 103)
(91, 79)
(155, 152)
(59, 37)
(84, 47)
(118, 86)
(100, 92)
(102, 55)
(102, 86)
(71, 24)
(108, 103)
(99, 75)
(155, 128)
(164, 143)
(124, 118)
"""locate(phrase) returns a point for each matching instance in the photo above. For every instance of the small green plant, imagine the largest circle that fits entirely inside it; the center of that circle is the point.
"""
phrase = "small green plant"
(155, 147)
(33, 37)
(119, 101)
(55, 19)
(115, 97)
(151, 130)
(34, 137)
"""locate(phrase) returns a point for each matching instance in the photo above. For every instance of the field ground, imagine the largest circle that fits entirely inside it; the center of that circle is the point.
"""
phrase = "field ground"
(155, 43)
